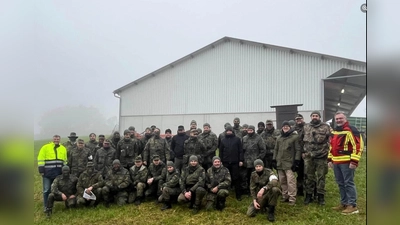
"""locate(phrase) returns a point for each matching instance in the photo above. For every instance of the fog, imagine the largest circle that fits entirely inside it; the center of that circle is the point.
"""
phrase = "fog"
(76, 53)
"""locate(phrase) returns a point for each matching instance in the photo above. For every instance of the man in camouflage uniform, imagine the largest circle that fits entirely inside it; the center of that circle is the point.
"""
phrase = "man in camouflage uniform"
(222, 135)
(133, 132)
(62, 189)
(193, 125)
(127, 150)
(116, 184)
(265, 190)
(253, 148)
(168, 138)
(143, 141)
(115, 139)
(71, 143)
(237, 128)
(104, 158)
(156, 146)
(192, 184)
(154, 176)
(169, 185)
(218, 180)
(92, 181)
(261, 127)
(92, 143)
(299, 128)
(138, 174)
(102, 138)
(244, 129)
(193, 146)
(78, 158)
(269, 136)
(210, 141)
(315, 154)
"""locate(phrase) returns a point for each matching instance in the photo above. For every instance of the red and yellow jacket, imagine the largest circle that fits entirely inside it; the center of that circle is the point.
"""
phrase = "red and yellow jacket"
(346, 145)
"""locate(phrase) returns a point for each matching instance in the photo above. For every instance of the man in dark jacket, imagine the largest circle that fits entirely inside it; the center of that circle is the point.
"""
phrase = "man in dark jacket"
(231, 154)
(177, 144)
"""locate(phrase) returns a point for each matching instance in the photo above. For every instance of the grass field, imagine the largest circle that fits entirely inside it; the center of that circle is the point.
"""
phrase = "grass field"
(234, 213)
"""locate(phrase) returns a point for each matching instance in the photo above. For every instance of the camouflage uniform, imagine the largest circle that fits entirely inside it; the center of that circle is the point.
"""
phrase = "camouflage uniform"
(63, 184)
(156, 146)
(300, 172)
(221, 178)
(142, 143)
(316, 149)
(253, 148)
(193, 146)
(103, 160)
(77, 160)
(116, 185)
(89, 178)
(139, 180)
(210, 141)
(271, 193)
(155, 171)
(269, 137)
(70, 145)
(169, 185)
(92, 146)
(193, 180)
(115, 141)
(127, 150)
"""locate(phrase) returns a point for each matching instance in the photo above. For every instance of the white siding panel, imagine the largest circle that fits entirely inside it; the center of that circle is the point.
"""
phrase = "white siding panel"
(232, 78)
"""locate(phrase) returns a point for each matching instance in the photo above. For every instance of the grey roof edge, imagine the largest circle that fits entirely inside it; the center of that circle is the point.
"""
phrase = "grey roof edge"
(242, 41)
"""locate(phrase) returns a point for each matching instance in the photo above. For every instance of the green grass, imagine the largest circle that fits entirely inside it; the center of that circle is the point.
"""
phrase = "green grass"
(234, 213)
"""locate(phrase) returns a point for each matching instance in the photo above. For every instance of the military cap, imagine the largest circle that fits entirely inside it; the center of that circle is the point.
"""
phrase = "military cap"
(316, 112)
(237, 118)
(227, 124)
(156, 157)
(193, 158)
(206, 125)
(101, 136)
(252, 127)
(138, 159)
(90, 164)
(168, 131)
(245, 126)
(292, 123)
(285, 123)
(258, 162)
(107, 141)
(229, 127)
(170, 163)
(131, 128)
(269, 122)
(148, 129)
(180, 128)
(215, 158)
(65, 168)
(127, 132)
(72, 135)
(193, 122)
(261, 123)
(116, 162)
(298, 116)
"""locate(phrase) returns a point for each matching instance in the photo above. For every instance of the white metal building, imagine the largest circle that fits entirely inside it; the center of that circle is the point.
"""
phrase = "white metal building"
(239, 78)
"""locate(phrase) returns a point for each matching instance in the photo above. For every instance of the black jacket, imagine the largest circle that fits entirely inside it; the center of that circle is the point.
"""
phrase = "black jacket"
(230, 149)
(177, 145)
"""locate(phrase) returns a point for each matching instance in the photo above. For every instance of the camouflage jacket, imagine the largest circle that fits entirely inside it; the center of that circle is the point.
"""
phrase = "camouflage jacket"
(287, 150)
(117, 180)
(103, 160)
(156, 146)
(170, 180)
(220, 178)
(269, 137)
(69, 145)
(138, 174)
(192, 178)
(253, 148)
(259, 181)
(127, 150)
(156, 171)
(238, 131)
(77, 160)
(316, 140)
(193, 147)
(64, 186)
(92, 146)
(210, 141)
(86, 180)
(114, 142)
(300, 130)
(142, 143)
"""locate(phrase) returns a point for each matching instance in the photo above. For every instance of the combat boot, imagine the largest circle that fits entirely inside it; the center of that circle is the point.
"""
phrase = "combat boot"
(48, 212)
(196, 209)
(221, 204)
(271, 213)
(300, 191)
(167, 205)
(138, 201)
(321, 199)
(308, 199)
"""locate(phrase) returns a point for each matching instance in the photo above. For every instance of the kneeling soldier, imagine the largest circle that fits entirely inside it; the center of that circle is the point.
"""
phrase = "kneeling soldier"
(169, 185)
(139, 178)
(116, 184)
(92, 181)
(218, 180)
(155, 170)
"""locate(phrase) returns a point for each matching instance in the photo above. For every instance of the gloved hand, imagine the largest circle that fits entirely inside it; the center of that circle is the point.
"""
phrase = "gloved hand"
(295, 165)
(274, 164)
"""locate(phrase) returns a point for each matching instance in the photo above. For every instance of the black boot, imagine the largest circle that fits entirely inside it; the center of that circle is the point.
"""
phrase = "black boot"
(321, 199)
(107, 204)
(300, 191)
(308, 199)
(167, 205)
(196, 209)
(138, 200)
(48, 212)
(271, 213)
(221, 204)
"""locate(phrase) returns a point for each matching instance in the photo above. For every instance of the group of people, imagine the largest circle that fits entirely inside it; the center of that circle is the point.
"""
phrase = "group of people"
(187, 168)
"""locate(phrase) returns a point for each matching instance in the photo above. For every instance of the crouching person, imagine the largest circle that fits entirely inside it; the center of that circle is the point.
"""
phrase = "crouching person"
(62, 189)
(92, 181)
(169, 185)
(265, 190)
(192, 184)
(138, 174)
(155, 170)
(218, 180)
(116, 184)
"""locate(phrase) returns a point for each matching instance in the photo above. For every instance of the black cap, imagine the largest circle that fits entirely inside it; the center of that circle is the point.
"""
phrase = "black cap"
(180, 128)
(168, 131)
(285, 123)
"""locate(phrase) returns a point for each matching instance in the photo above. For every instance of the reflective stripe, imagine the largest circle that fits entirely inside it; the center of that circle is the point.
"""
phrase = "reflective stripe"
(52, 166)
(53, 161)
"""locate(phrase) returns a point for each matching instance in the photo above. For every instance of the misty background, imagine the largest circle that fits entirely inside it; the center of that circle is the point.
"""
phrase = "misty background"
(76, 53)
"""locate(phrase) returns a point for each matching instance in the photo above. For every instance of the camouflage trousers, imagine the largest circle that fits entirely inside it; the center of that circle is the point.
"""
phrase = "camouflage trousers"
(69, 203)
(109, 195)
(154, 189)
(136, 191)
(167, 192)
(269, 198)
(315, 170)
(82, 201)
(197, 197)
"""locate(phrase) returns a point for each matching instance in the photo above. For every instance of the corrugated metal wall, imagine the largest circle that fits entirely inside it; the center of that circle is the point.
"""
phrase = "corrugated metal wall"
(232, 78)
